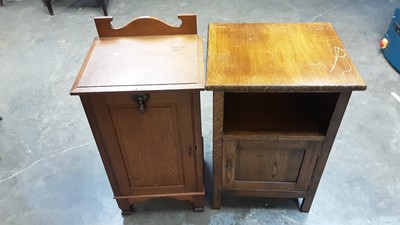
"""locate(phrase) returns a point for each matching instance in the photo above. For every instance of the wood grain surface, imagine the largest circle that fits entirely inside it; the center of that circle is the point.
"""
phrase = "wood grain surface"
(279, 57)
(153, 148)
(218, 121)
(145, 55)
(268, 165)
(145, 26)
(166, 62)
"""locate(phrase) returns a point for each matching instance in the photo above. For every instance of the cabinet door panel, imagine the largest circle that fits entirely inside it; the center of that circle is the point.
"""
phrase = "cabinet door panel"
(148, 141)
(155, 147)
(269, 165)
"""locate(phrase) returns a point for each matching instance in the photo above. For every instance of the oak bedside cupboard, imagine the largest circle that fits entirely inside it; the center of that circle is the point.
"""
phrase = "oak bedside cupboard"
(280, 92)
(140, 88)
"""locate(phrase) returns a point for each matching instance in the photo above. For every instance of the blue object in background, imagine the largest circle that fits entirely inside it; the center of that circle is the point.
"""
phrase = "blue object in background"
(392, 50)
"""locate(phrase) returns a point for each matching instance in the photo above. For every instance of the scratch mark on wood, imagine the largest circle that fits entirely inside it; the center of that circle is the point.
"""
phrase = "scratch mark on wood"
(338, 52)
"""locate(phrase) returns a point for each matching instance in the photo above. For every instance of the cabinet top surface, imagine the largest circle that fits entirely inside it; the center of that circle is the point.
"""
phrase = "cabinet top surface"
(142, 63)
(279, 57)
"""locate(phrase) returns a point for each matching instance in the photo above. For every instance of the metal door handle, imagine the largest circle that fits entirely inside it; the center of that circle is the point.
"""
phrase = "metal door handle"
(141, 100)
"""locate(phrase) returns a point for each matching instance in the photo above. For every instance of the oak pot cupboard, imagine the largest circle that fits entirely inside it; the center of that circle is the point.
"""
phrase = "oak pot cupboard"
(140, 87)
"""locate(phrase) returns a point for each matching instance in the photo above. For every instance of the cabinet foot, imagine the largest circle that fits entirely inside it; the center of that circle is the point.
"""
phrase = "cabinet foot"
(126, 208)
(127, 212)
(217, 201)
(198, 209)
(198, 203)
(306, 204)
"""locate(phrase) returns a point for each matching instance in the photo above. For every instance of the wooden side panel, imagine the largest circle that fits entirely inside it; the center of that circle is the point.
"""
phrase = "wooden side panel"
(145, 26)
(120, 187)
(334, 124)
(198, 139)
(218, 121)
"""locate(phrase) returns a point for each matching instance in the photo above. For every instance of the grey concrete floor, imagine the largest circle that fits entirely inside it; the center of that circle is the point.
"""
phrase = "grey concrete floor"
(51, 172)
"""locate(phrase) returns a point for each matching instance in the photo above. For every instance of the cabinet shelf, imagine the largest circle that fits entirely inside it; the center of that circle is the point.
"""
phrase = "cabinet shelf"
(273, 135)
(257, 115)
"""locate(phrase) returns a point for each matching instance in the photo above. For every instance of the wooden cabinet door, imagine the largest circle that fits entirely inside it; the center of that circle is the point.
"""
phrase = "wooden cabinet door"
(268, 165)
(150, 152)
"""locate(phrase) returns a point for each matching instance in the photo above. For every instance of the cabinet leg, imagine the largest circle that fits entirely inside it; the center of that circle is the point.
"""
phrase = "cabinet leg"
(198, 203)
(125, 207)
(218, 123)
(126, 213)
(217, 199)
(306, 204)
